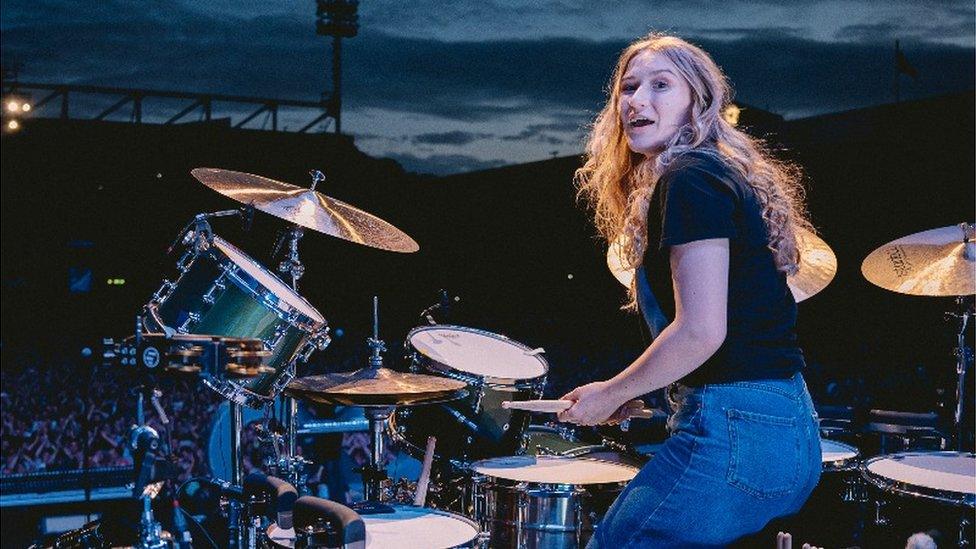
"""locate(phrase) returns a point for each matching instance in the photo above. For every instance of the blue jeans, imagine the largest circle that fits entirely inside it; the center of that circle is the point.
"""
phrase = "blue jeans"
(740, 454)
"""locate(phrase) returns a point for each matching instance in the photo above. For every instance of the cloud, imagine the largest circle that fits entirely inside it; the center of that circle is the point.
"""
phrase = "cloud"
(455, 137)
(437, 95)
(541, 133)
(751, 33)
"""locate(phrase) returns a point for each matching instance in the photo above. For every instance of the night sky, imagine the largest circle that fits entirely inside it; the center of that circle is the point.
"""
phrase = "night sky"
(445, 87)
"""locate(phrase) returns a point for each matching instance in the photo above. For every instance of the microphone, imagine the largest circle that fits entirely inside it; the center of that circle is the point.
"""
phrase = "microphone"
(443, 305)
(281, 494)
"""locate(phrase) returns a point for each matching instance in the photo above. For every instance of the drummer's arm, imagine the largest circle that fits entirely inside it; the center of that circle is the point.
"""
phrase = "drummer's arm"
(700, 274)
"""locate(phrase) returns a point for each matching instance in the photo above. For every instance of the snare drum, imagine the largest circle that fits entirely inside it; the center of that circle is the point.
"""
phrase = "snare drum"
(222, 291)
(544, 501)
(923, 491)
(496, 369)
(406, 528)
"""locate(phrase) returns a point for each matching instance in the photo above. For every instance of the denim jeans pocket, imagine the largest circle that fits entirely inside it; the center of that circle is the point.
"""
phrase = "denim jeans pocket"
(765, 456)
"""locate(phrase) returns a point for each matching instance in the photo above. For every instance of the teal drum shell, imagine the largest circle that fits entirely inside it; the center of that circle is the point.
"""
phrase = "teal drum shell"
(222, 291)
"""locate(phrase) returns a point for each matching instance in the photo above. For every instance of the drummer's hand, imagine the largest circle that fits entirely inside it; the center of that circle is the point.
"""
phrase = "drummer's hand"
(625, 412)
(592, 405)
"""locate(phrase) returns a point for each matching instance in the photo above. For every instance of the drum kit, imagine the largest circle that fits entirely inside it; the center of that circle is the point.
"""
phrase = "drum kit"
(463, 406)
(466, 403)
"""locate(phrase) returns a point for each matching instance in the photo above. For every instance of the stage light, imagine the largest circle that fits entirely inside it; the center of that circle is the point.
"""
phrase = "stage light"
(731, 114)
(13, 106)
(13, 125)
(26, 107)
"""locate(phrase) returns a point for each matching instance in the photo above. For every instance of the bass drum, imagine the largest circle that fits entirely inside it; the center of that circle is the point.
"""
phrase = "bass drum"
(496, 369)
(218, 444)
(222, 291)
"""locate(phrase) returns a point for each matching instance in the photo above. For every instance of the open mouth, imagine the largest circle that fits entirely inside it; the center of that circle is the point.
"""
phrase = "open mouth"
(639, 122)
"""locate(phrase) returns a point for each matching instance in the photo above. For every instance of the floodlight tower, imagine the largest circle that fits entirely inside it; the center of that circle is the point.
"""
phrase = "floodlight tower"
(338, 19)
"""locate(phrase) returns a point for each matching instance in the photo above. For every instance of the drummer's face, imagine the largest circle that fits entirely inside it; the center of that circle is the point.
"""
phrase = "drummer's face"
(655, 101)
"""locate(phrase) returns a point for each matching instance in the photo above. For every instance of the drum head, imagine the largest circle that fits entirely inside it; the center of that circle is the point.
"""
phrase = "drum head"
(947, 476)
(836, 455)
(555, 470)
(478, 353)
(267, 279)
(418, 528)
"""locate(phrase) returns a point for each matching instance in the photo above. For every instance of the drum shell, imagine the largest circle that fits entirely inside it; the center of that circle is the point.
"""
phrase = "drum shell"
(215, 296)
(895, 516)
(475, 427)
(520, 514)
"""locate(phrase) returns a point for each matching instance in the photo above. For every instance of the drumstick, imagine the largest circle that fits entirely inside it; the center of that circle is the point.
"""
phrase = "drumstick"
(421, 496)
(556, 406)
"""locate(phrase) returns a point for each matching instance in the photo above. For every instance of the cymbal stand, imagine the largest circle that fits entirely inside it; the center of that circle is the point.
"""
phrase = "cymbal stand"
(373, 473)
(289, 465)
(964, 359)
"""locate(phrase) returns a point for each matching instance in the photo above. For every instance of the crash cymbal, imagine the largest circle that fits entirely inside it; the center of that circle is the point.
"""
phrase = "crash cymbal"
(376, 387)
(308, 208)
(617, 262)
(938, 262)
(818, 265)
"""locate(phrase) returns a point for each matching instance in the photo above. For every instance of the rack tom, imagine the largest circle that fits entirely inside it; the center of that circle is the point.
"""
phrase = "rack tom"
(496, 369)
(222, 291)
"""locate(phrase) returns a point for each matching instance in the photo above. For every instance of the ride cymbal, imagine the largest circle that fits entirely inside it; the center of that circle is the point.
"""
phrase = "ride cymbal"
(937, 262)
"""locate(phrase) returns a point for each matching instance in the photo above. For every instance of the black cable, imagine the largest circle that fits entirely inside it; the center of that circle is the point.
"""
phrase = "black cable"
(199, 527)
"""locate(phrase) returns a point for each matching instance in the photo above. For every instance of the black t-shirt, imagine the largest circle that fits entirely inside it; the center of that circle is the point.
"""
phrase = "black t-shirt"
(702, 197)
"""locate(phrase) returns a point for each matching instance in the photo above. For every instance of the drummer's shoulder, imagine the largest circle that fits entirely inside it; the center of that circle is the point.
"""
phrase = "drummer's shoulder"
(702, 167)
(702, 160)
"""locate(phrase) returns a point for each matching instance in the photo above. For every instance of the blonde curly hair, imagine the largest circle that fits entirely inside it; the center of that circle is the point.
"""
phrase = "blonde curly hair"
(618, 183)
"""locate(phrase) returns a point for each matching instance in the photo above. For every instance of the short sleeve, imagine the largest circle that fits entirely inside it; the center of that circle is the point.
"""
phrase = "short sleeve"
(697, 206)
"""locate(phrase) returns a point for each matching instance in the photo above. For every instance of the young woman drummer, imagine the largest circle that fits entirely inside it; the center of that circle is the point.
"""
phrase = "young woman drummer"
(710, 221)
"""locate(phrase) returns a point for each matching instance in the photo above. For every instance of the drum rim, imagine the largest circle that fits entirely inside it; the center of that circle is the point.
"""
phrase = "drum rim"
(526, 485)
(497, 380)
(916, 490)
(286, 310)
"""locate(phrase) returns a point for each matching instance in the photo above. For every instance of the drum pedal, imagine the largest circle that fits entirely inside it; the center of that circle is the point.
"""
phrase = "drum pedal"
(372, 508)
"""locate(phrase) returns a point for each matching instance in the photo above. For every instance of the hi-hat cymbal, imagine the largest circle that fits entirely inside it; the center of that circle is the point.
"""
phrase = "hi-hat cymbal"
(376, 387)
(308, 208)
(818, 265)
(937, 262)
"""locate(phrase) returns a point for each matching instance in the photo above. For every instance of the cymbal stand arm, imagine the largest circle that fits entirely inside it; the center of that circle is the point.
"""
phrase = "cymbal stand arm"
(292, 264)
(377, 345)
(198, 231)
(964, 358)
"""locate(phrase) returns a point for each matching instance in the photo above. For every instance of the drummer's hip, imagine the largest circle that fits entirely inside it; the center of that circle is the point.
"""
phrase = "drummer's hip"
(740, 455)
